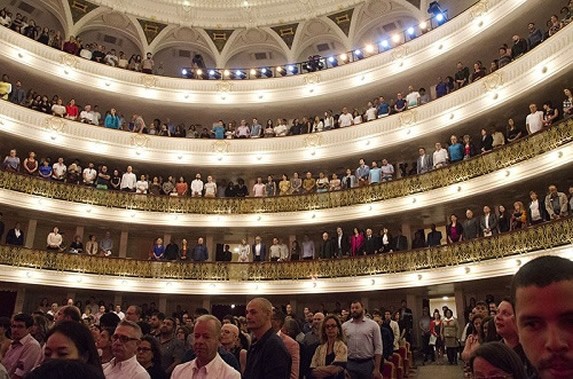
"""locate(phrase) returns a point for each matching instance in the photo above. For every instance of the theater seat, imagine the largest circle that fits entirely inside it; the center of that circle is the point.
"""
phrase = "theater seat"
(396, 359)
(388, 370)
(405, 361)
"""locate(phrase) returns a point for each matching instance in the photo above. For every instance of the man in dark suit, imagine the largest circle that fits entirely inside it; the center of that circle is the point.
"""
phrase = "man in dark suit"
(434, 237)
(488, 222)
(341, 242)
(327, 249)
(371, 243)
(15, 236)
(400, 242)
(259, 250)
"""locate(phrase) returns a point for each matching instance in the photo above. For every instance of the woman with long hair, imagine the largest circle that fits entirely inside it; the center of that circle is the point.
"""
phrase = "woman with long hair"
(356, 242)
(436, 340)
(72, 340)
(330, 357)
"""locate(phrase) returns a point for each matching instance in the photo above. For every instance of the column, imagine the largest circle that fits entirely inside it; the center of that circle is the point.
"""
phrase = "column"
(31, 233)
(80, 232)
(20, 298)
(123, 244)
(459, 296)
(162, 304)
(209, 242)
(415, 304)
(407, 231)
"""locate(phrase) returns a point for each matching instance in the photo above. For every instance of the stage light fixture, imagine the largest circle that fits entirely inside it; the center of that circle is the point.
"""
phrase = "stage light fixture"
(281, 70)
(343, 57)
(369, 49)
(384, 44)
(292, 69)
(396, 38)
(411, 31)
(184, 72)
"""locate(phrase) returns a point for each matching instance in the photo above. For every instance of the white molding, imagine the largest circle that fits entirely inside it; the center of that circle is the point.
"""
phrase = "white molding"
(489, 183)
(452, 36)
(551, 59)
(460, 273)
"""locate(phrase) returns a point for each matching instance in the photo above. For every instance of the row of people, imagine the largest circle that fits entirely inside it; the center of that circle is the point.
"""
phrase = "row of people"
(507, 345)
(553, 206)
(376, 108)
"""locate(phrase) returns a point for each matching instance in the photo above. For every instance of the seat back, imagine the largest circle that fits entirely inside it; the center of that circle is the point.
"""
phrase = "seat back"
(388, 370)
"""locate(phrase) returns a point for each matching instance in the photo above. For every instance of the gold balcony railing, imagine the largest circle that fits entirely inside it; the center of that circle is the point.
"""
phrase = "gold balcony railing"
(540, 237)
(503, 157)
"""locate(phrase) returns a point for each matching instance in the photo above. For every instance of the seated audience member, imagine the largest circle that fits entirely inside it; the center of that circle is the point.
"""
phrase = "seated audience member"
(126, 339)
(542, 292)
(330, 358)
(149, 356)
(24, 352)
(496, 360)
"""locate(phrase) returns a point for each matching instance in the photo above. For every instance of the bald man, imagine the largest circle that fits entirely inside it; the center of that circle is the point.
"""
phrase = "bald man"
(230, 342)
(267, 356)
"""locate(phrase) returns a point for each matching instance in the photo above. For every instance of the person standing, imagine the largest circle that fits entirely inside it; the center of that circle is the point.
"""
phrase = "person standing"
(126, 339)
(364, 341)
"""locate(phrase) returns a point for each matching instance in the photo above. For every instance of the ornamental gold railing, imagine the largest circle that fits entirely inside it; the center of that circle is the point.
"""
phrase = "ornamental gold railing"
(540, 237)
(503, 157)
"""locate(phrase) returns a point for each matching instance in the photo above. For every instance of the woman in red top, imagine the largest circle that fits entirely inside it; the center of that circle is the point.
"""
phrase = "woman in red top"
(356, 242)
(436, 336)
(72, 111)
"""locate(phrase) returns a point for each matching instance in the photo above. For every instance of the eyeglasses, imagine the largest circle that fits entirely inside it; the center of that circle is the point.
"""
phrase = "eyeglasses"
(122, 338)
(143, 349)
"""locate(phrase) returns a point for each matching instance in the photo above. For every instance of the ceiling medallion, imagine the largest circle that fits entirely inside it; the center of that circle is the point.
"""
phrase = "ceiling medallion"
(479, 9)
(69, 60)
(493, 81)
(408, 117)
(148, 81)
(139, 140)
(312, 79)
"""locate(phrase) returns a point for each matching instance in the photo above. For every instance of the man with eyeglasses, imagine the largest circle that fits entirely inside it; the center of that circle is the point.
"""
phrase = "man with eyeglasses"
(126, 339)
(24, 352)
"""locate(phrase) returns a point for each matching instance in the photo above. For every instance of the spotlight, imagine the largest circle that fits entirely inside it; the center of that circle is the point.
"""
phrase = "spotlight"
(384, 44)
(396, 38)
(281, 70)
(333, 61)
(410, 31)
(184, 72)
(369, 49)
(227, 73)
(253, 72)
(343, 57)
(314, 63)
(238, 74)
(435, 10)
(358, 53)
(266, 72)
(187, 72)
(423, 25)
(214, 74)
(440, 17)
(292, 69)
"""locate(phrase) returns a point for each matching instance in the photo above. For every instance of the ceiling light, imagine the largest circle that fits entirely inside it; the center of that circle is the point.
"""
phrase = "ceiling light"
(411, 31)
(343, 57)
(369, 49)
(384, 44)
(423, 25)
(396, 38)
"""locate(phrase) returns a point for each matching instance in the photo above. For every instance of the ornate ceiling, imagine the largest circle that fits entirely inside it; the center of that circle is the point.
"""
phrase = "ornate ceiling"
(232, 33)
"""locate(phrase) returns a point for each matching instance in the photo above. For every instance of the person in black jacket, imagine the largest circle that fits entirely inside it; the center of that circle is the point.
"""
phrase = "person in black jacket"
(15, 236)
(327, 249)
(434, 237)
(371, 243)
(400, 242)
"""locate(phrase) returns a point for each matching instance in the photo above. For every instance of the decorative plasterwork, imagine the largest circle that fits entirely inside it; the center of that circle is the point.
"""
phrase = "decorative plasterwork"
(343, 20)
(151, 29)
(489, 183)
(219, 38)
(286, 33)
(229, 13)
(396, 280)
(479, 9)
(380, 67)
(493, 81)
(80, 8)
(549, 60)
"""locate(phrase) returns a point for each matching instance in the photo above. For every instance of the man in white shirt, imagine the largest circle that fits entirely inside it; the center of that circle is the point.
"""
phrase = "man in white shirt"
(345, 119)
(534, 120)
(128, 180)
(440, 156)
(118, 312)
(197, 186)
(126, 340)
(412, 98)
(89, 175)
(87, 116)
(59, 170)
(208, 363)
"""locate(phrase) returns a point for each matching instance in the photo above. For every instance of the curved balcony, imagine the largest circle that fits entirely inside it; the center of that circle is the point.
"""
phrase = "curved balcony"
(412, 56)
(527, 158)
(484, 257)
(550, 61)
